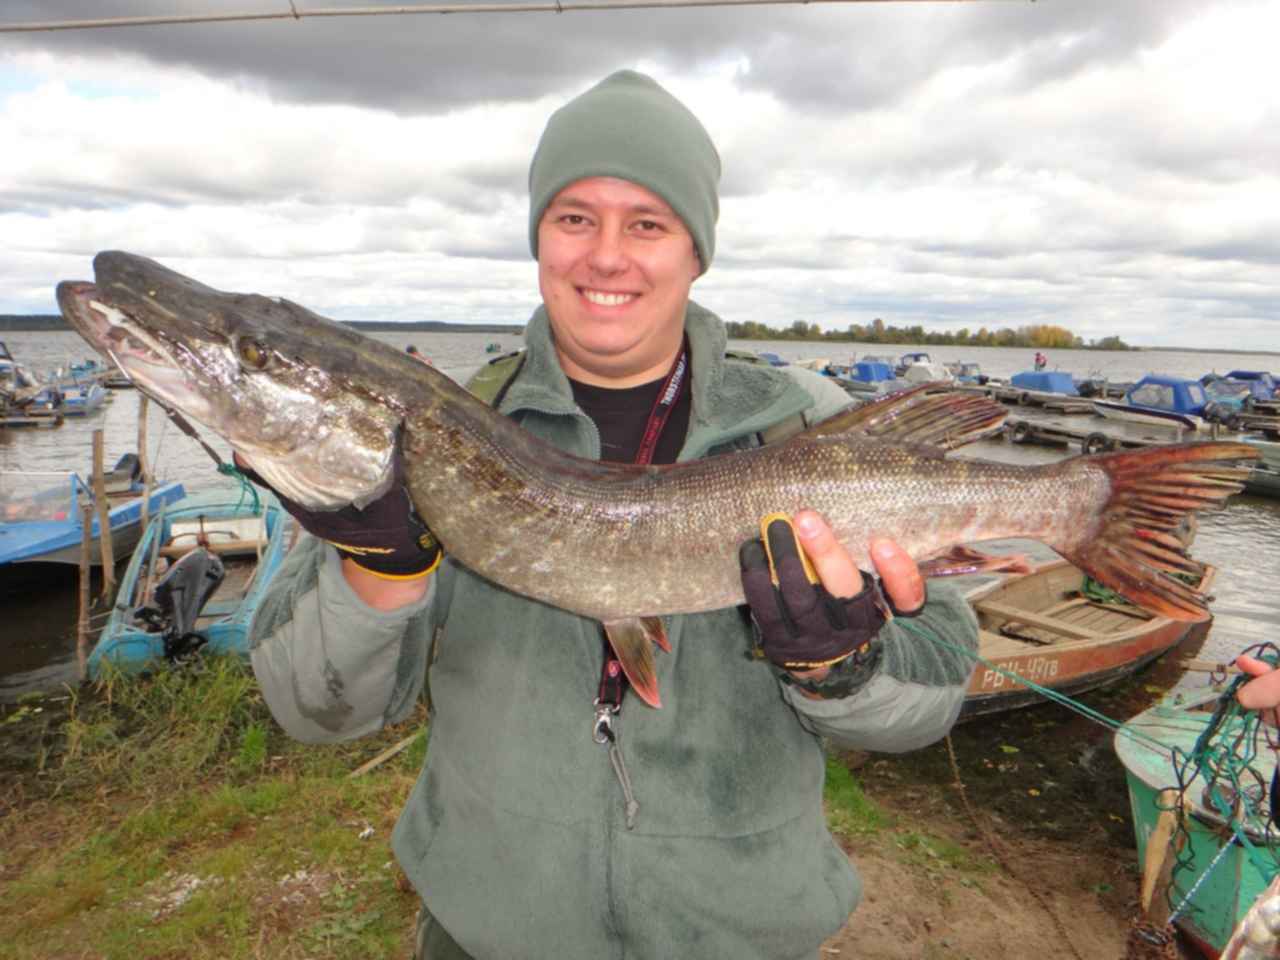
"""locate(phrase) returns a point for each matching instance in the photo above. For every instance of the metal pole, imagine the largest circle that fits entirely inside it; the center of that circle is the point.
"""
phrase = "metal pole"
(524, 6)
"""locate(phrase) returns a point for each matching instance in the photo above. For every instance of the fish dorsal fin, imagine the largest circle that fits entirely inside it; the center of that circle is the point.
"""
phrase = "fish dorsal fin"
(931, 414)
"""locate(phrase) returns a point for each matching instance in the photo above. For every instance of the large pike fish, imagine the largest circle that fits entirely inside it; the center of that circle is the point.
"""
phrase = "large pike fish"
(318, 409)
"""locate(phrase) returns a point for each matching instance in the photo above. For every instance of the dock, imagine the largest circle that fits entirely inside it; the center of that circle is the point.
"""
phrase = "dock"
(1058, 402)
(20, 420)
(1097, 434)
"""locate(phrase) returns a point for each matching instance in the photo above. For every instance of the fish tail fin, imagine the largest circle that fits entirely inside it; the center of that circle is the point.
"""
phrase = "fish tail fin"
(633, 641)
(1134, 547)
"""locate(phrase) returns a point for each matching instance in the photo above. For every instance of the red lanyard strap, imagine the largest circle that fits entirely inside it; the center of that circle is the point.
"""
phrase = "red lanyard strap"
(613, 682)
(662, 406)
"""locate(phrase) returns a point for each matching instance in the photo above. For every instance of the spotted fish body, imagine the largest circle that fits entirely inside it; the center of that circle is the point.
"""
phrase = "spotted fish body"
(320, 411)
(608, 541)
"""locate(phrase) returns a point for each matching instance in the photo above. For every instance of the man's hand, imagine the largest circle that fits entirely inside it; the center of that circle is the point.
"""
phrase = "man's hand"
(1262, 692)
(810, 618)
(386, 550)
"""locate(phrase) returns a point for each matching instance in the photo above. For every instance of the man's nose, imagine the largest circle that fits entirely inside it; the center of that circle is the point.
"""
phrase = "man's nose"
(607, 253)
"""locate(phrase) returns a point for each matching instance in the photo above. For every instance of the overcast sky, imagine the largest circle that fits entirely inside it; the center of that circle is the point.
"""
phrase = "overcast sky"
(1110, 166)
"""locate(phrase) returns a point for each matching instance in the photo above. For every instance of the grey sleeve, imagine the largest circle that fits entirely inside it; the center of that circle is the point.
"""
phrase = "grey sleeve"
(918, 687)
(828, 396)
(331, 667)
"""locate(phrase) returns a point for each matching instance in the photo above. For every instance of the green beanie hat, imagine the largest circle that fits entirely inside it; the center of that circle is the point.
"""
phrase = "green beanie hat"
(629, 127)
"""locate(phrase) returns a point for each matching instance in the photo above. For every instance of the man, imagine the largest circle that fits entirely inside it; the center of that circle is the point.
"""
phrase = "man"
(557, 816)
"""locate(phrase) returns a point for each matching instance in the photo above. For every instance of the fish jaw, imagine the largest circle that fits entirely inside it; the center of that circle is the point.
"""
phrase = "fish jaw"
(313, 442)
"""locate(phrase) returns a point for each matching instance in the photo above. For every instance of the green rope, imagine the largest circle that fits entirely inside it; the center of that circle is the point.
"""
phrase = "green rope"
(1215, 754)
(231, 470)
(1049, 694)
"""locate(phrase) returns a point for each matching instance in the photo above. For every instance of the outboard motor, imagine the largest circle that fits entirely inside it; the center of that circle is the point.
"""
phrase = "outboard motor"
(128, 466)
(179, 597)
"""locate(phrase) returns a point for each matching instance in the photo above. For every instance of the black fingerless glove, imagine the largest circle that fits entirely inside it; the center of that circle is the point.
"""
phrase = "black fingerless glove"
(798, 624)
(385, 537)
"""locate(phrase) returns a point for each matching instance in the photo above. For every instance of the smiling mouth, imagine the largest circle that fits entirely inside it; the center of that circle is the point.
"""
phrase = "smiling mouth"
(602, 298)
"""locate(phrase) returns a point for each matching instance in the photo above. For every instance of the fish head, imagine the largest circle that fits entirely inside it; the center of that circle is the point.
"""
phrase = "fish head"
(290, 391)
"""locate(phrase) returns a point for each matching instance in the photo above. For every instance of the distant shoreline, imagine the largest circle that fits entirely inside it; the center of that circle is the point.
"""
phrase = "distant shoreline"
(33, 323)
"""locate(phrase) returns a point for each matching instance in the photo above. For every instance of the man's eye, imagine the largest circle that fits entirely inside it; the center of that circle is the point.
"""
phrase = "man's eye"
(648, 226)
(573, 219)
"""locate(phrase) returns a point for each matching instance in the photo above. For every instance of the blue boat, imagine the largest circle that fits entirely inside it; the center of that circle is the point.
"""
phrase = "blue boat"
(869, 377)
(24, 393)
(83, 399)
(195, 581)
(40, 515)
(969, 374)
(1157, 399)
(1267, 381)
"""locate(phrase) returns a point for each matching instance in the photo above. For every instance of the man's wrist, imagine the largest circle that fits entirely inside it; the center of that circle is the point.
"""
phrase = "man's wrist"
(841, 679)
(381, 593)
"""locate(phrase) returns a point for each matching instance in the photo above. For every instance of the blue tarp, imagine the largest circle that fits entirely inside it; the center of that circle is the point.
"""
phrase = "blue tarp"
(1045, 381)
(871, 372)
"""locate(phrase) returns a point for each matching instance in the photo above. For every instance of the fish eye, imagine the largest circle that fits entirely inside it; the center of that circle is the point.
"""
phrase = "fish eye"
(253, 354)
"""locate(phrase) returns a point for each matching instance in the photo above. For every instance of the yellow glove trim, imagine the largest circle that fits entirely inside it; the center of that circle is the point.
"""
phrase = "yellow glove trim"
(402, 576)
(809, 572)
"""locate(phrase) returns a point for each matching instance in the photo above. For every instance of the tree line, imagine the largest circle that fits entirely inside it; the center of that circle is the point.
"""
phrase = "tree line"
(1037, 336)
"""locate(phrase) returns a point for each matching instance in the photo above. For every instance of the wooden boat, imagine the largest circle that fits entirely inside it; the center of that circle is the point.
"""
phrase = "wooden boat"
(1043, 626)
(1229, 878)
(40, 517)
(228, 533)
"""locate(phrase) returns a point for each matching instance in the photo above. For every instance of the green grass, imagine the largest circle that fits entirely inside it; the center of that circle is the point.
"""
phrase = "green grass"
(169, 817)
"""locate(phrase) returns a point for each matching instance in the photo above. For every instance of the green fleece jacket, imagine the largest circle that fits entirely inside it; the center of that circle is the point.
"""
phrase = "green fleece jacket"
(519, 834)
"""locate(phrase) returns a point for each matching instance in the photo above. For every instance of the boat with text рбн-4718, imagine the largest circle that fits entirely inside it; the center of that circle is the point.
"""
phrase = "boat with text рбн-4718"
(1058, 628)
(322, 413)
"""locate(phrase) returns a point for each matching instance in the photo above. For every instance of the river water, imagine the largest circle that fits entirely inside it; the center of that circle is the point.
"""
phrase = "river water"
(37, 630)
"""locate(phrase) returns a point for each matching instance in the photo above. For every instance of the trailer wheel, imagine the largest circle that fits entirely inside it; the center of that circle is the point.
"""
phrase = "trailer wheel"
(1096, 443)
(1024, 399)
(1020, 432)
(1233, 422)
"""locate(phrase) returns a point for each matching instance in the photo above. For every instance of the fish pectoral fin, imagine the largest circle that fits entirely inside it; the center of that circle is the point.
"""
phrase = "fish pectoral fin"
(961, 559)
(633, 641)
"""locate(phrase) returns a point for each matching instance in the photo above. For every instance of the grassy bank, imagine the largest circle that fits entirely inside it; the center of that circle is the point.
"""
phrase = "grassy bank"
(169, 817)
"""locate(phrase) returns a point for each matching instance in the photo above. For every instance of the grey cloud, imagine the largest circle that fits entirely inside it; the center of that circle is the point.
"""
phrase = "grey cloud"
(821, 55)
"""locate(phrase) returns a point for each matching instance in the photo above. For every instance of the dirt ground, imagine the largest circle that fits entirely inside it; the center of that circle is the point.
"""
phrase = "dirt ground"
(1046, 825)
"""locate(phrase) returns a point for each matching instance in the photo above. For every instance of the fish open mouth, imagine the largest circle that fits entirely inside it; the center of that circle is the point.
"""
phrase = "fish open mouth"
(142, 356)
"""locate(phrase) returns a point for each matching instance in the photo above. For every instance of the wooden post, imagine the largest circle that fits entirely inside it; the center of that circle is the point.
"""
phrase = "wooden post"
(104, 517)
(86, 560)
(143, 462)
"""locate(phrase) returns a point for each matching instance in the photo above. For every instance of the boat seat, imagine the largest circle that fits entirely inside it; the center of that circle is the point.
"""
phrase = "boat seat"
(223, 536)
(1040, 621)
(222, 547)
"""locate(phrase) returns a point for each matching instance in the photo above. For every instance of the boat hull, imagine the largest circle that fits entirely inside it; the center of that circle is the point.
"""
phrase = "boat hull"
(129, 646)
(1226, 893)
(1148, 415)
(1065, 640)
(59, 542)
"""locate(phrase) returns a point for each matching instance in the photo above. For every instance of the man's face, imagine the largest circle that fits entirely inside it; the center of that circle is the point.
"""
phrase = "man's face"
(615, 265)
